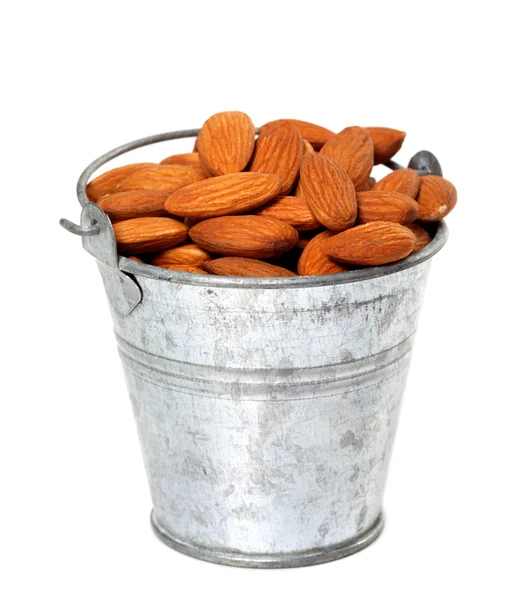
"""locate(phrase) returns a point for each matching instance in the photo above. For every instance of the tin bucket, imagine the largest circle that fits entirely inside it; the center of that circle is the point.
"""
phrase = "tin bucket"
(266, 408)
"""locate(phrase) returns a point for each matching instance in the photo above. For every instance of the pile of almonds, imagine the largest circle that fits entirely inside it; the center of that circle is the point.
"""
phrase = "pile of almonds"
(299, 199)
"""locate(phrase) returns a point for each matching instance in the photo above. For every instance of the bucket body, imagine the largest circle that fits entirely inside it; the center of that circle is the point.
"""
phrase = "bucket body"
(267, 416)
(266, 408)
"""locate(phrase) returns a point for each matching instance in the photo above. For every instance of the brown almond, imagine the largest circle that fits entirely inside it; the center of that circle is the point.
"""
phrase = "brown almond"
(185, 268)
(188, 159)
(134, 204)
(148, 234)
(307, 147)
(244, 267)
(314, 261)
(107, 183)
(303, 242)
(291, 209)
(352, 150)
(436, 198)
(249, 236)
(316, 135)
(279, 151)
(385, 206)
(369, 184)
(386, 142)
(403, 181)
(166, 178)
(190, 221)
(226, 142)
(188, 254)
(422, 237)
(224, 195)
(371, 244)
(329, 192)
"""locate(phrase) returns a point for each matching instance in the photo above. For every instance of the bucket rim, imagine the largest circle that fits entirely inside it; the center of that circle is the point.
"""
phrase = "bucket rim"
(440, 235)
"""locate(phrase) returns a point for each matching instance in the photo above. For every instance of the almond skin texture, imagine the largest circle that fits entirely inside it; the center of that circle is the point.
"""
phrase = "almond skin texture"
(386, 142)
(385, 206)
(436, 198)
(166, 178)
(245, 267)
(316, 135)
(314, 261)
(403, 181)
(148, 234)
(329, 192)
(134, 204)
(226, 142)
(352, 150)
(248, 236)
(189, 254)
(279, 151)
(189, 159)
(186, 269)
(422, 237)
(372, 244)
(107, 183)
(293, 210)
(224, 195)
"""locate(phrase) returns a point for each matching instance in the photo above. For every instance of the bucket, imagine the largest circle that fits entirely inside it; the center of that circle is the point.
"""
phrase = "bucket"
(266, 408)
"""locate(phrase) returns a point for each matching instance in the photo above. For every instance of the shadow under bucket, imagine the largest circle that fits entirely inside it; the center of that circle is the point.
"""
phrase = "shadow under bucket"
(266, 408)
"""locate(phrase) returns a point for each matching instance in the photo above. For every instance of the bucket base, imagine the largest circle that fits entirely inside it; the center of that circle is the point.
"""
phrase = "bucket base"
(272, 561)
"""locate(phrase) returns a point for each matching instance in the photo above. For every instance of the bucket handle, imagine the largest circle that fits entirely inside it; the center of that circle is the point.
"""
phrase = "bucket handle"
(99, 240)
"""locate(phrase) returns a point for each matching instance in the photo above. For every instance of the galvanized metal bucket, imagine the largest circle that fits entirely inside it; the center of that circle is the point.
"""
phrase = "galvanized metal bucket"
(266, 408)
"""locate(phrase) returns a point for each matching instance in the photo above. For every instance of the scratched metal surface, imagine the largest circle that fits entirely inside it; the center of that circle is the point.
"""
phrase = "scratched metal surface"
(267, 416)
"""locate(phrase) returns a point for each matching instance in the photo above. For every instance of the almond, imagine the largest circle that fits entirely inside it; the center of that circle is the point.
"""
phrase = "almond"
(352, 150)
(245, 267)
(279, 150)
(107, 183)
(371, 181)
(189, 159)
(249, 236)
(316, 135)
(148, 234)
(307, 147)
(303, 242)
(137, 203)
(136, 259)
(189, 254)
(167, 178)
(186, 269)
(291, 209)
(224, 195)
(314, 261)
(329, 192)
(226, 142)
(386, 142)
(190, 221)
(422, 237)
(372, 244)
(385, 206)
(436, 198)
(404, 181)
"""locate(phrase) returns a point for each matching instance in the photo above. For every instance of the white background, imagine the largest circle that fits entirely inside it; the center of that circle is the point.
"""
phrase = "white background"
(82, 77)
